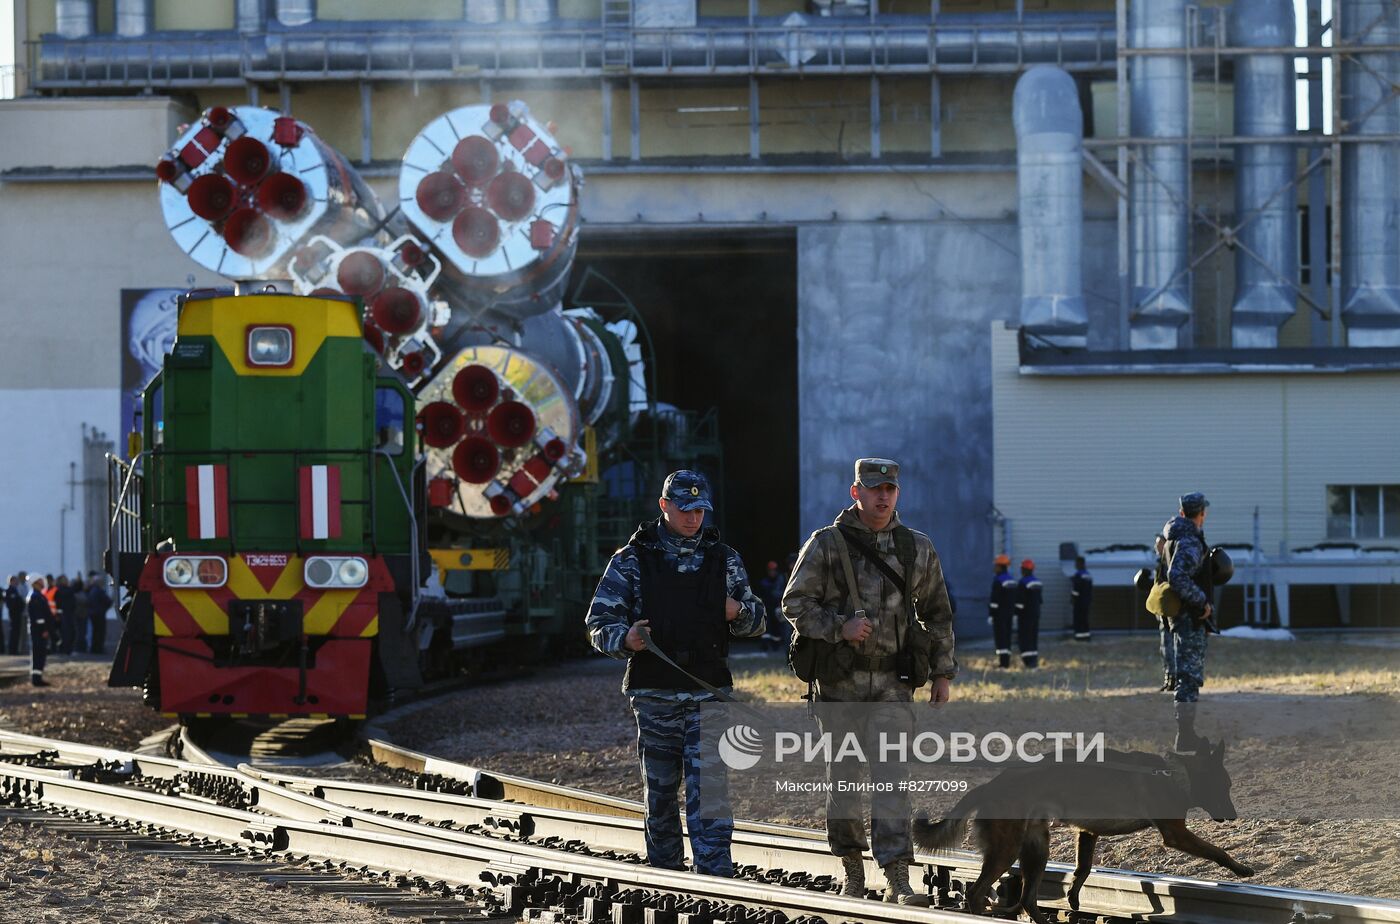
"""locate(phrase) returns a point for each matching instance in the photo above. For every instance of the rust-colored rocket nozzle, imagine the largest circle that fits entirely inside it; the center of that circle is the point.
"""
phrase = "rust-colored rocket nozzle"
(282, 196)
(475, 388)
(442, 424)
(396, 310)
(475, 460)
(211, 197)
(249, 232)
(511, 424)
(511, 196)
(476, 231)
(440, 195)
(476, 160)
(360, 273)
(246, 160)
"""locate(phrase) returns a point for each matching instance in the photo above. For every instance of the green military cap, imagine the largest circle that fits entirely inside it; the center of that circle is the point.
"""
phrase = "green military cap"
(873, 472)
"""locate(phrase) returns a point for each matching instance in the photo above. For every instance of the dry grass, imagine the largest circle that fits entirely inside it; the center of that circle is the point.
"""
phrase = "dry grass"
(1129, 665)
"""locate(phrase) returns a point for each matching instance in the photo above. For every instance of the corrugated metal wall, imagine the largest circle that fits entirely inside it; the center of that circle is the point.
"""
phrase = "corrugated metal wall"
(1102, 459)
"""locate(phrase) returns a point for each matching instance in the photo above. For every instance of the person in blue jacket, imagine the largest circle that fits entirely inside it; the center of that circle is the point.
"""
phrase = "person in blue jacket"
(1028, 591)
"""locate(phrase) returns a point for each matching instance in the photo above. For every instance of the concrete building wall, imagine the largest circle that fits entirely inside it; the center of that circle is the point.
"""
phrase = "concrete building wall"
(894, 361)
(1100, 459)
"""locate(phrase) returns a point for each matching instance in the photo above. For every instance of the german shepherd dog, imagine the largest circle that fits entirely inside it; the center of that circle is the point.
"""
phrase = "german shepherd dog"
(1129, 791)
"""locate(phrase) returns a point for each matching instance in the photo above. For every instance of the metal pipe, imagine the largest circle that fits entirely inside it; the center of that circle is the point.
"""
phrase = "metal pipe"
(75, 19)
(1266, 200)
(1159, 205)
(250, 16)
(356, 50)
(134, 18)
(1370, 197)
(296, 12)
(1050, 190)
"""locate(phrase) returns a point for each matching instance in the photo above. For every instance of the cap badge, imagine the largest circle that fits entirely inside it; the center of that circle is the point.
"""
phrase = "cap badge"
(694, 491)
(884, 470)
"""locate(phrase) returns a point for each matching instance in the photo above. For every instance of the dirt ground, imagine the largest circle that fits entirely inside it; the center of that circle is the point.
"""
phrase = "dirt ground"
(79, 706)
(1300, 822)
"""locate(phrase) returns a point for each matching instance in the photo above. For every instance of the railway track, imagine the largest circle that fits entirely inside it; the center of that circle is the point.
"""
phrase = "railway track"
(511, 856)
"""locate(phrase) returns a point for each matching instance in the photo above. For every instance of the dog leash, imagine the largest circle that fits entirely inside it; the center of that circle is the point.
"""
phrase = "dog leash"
(650, 645)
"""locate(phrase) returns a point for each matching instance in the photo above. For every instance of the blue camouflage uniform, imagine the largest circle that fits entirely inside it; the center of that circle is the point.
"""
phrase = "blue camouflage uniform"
(672, 741)
(1028, 601)
(1081, 595)
(1186, 563)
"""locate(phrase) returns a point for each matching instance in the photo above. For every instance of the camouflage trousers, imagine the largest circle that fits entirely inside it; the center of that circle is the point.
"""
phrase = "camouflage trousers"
(890, 812)
(1189, 639)
(673, 741)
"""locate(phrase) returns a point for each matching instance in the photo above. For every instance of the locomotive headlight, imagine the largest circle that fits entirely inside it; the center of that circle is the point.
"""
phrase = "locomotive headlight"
(324, 571)
(196, 571)
(353, 572)
(319, 572)
(178, 571)
(269, 346)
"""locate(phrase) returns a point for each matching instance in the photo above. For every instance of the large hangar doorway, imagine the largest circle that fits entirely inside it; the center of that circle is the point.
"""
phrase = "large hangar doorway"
(722, 312)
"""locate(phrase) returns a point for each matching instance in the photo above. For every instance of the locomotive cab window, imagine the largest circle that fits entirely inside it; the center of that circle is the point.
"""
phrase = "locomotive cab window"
(388, 421)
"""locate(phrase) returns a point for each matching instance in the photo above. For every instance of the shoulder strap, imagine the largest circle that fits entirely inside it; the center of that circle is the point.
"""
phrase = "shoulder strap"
(875, 559)
(852, 588)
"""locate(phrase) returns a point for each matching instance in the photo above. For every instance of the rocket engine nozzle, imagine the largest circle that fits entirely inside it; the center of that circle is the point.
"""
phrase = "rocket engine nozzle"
(282, 196)
(476, 460)
(248, 232)
(476, 160)
(440, 195)
(441, 424)
(511, 196)
(476, 231)
(247, 160)
(511, 424)
(475, 388)
(360, 273)
(211, 197)
(396, 310)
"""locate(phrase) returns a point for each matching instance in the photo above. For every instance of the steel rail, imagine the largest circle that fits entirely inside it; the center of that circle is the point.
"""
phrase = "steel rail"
(367, 808)
(546, 810)
(295, 823)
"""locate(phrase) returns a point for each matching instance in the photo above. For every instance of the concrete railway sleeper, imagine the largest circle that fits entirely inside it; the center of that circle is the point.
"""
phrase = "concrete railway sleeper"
(585, 864)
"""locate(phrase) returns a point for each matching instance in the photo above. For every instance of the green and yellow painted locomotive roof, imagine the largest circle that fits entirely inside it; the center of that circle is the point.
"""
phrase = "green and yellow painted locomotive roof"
(227, 319)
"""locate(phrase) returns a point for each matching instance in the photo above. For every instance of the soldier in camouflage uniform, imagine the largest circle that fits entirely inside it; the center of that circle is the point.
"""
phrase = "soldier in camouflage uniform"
(1185, 564)
(690, 590)
(818, 603)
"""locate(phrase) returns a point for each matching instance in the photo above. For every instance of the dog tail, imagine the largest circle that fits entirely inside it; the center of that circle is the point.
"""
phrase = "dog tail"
(948, 832)
(938, 835)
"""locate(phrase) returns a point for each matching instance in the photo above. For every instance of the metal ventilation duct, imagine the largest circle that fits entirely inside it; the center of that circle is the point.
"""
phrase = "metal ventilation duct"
(359, 49)
(296, 12)
(1159, 88)
(251, 16)
(1266, 201)
(1050, 187)
(75, 18)
(1370, 193)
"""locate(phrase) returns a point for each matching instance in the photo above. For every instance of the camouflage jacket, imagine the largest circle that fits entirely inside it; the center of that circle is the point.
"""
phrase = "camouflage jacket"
(816, 602)
(1184, 560)
(617, 603)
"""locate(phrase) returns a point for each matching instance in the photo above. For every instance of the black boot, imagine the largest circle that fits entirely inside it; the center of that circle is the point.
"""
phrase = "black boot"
(1030, 660)
(1003, 659)
(1187, 741)
(37, 679)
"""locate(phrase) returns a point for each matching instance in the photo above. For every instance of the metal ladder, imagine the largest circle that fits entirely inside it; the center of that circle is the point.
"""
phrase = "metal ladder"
(617, 36)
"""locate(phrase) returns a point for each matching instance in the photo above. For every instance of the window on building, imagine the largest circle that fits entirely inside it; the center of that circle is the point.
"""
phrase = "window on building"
(1363, 511)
